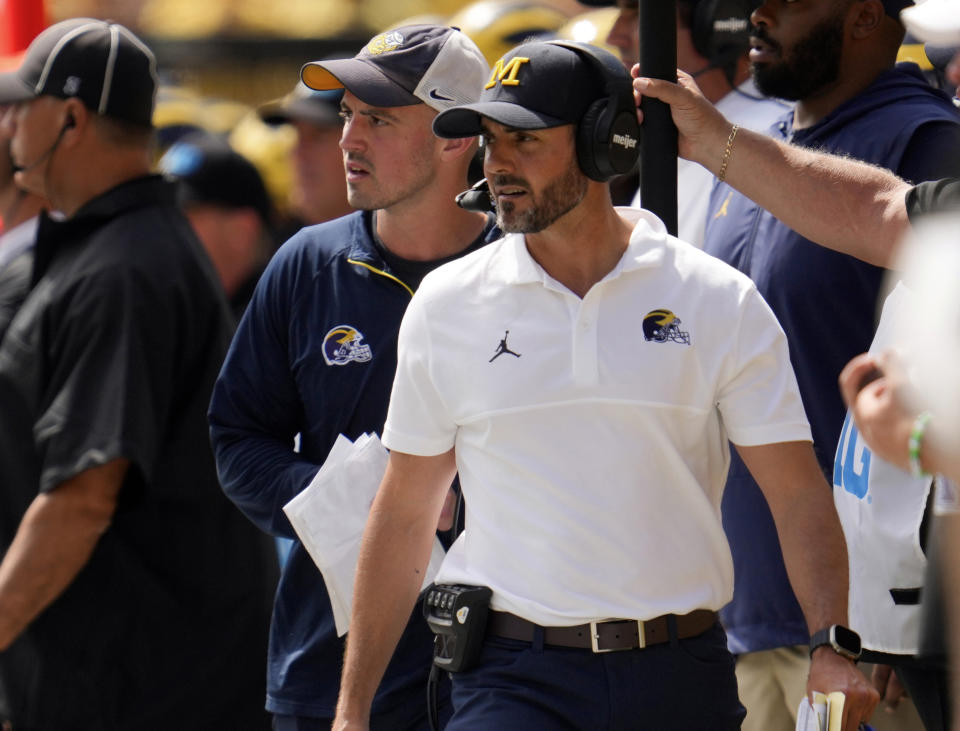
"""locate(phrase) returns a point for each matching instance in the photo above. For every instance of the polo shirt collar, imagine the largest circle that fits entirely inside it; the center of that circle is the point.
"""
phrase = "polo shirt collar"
(644, 250)
(54, 233)
(136, 193)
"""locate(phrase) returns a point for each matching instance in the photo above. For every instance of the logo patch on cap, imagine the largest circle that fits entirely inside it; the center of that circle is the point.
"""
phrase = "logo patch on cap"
(71, 86)
(506, 74)
(730, 25)
(385, 42)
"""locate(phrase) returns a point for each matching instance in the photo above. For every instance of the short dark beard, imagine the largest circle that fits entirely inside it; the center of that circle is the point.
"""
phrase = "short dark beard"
(812, 64)
(559, 197)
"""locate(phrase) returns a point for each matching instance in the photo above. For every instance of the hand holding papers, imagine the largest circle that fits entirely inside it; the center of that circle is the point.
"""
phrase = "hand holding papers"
(826, 713)
(330, 513)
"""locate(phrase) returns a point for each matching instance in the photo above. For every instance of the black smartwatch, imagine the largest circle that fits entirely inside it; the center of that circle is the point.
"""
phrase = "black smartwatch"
(843, 640)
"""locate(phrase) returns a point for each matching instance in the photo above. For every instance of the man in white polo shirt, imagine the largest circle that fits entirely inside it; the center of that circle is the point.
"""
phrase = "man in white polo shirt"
(584, 375)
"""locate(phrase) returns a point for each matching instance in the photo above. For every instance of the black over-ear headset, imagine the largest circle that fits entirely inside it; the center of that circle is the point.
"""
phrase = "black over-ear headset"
(608, 135)
(720, 31)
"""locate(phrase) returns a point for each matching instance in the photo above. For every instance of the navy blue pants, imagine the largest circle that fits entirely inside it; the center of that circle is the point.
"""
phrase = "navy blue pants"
(683, 685)
(410, 715)
(384, 722)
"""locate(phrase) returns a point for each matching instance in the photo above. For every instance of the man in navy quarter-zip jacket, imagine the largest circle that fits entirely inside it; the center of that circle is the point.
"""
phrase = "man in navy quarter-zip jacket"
(315, 353)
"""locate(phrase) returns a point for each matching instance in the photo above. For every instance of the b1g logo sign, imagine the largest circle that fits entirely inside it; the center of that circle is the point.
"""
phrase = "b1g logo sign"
(851, 465)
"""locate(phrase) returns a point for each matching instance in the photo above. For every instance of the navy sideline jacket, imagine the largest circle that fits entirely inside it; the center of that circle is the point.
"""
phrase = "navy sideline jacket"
(315, 355)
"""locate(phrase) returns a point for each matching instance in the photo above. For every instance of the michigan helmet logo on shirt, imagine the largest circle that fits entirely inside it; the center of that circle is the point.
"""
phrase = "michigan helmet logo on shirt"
(385, 42)
(662, 326)
(344, 344)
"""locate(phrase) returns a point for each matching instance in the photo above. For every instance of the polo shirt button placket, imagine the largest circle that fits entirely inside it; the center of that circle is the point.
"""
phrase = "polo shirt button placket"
(585, 366)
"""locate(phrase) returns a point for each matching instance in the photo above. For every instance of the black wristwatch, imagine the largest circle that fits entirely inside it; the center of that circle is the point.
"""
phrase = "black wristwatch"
(844, 641)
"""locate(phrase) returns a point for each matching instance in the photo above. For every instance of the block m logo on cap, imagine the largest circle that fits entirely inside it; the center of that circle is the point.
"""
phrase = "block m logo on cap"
(506, 74)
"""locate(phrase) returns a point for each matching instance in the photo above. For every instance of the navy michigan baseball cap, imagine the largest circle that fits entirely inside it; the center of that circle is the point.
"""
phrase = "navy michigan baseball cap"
(433, 64)
(101, 63)
(536, 85)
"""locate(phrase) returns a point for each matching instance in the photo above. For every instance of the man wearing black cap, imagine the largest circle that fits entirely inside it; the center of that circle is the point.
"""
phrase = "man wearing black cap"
(592, 449)
(228, 207)
(132, 594)
(319, 191)
(315, 353)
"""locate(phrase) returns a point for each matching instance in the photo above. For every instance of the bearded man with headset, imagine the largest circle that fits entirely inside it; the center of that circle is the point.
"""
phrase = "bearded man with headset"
(592, 455)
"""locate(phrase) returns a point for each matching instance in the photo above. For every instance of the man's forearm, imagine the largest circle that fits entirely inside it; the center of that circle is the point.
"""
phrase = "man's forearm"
(845, 205)
(393, 557)
(260, 474)
(842, 204)
(815, 555)
(811, 538)
(53, 543)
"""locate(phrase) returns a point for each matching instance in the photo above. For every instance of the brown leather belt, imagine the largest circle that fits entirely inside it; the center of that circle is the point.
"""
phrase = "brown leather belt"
(606, 636)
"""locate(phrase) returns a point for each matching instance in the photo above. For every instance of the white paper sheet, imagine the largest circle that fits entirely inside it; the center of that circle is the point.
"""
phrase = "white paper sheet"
(329, 516)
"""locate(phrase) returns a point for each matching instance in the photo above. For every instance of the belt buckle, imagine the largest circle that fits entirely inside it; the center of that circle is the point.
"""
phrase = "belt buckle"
(595, 639)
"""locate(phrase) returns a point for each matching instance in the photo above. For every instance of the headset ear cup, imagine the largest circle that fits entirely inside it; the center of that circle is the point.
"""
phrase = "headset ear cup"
(721, 46)
(607, 133)
(591, 152)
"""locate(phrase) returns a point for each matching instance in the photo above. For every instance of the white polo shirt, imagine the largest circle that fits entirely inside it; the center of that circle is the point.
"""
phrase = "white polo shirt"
(592, 458)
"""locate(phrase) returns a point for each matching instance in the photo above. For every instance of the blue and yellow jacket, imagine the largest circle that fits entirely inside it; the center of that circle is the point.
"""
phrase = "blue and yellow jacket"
(314, 355)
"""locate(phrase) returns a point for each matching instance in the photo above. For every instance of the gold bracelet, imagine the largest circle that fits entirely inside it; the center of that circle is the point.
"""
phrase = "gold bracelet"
(728, 150)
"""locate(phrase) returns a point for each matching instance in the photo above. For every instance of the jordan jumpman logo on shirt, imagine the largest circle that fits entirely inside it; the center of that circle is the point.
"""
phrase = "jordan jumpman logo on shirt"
(502, 348)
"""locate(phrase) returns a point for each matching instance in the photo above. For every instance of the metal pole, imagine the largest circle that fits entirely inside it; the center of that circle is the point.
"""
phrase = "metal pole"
(658, 144)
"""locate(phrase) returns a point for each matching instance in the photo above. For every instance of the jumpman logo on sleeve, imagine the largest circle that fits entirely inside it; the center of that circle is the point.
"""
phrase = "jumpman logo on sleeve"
(503, 348)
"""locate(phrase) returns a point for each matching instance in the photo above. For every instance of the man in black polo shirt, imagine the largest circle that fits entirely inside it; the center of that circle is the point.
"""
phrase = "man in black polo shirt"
(132, 594)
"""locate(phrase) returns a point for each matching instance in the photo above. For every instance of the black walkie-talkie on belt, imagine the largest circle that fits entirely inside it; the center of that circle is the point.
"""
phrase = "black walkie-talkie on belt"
(458, 617)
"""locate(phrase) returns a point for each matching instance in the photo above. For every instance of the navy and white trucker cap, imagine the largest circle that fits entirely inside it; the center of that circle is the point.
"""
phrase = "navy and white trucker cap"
(433, 64)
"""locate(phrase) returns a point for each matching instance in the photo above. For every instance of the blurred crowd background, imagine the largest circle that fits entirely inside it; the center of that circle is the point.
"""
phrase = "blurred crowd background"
(222, 59)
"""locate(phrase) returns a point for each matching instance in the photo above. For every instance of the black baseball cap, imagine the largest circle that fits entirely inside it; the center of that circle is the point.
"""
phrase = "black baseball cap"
(210, 171)
(433, 64)
(101, 63)
(536, 85)
(304, 104)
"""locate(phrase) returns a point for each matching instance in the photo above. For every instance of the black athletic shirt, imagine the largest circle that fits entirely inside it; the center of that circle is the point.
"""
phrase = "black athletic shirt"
(933, 197)
(113, 354)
